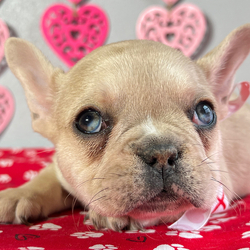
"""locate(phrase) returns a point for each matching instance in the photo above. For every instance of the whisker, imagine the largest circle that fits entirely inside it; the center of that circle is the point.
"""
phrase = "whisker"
(64, 202)
(212, 162)
(226, 139)
(222, 171)
(203, 163)
(72, 211)
(211, 156)
(78, 222)
(117, 174)
(230, 163)
(212, 178)
(45, 150)
(95, 196)
(97, 199)
(235, 194)
(74, 201)
(163, 222)
(80, 184)
(196, 144)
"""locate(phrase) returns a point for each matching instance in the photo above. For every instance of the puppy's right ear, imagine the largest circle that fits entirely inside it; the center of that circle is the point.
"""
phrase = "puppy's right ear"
(220, 66)
(37, 77)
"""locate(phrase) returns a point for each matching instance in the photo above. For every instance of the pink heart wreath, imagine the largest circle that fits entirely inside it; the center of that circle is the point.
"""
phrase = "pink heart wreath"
(183, 27)
(74, 33)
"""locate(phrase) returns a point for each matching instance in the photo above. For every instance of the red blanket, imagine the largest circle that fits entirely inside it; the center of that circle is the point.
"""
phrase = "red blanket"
(228, 230)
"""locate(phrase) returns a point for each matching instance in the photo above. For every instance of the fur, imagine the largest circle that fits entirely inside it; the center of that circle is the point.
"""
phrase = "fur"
(151, 161)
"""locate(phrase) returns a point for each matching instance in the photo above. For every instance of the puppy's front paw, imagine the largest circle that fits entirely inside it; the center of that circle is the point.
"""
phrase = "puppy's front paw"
(114, 223)
(18, 205)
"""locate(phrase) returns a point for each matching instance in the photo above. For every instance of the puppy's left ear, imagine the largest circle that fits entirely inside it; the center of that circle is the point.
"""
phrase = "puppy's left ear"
(220, 66)
(37, 77)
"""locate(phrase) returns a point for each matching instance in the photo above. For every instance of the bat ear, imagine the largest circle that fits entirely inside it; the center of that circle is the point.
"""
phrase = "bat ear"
(36, 75)
(220, 66)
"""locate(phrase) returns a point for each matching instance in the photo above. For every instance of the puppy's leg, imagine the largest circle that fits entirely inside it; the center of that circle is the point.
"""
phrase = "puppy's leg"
(38, 198)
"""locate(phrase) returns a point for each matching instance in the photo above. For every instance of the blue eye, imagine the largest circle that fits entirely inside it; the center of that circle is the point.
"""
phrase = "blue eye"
(89, 122)
(203, 114)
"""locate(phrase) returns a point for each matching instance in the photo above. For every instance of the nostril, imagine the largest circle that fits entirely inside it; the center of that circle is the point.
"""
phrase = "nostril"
(153, 161)
(171, 162)
(172, 159)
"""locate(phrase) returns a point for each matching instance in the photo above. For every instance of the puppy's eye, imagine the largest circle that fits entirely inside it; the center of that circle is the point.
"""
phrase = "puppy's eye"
(89, 122)
(203, 114)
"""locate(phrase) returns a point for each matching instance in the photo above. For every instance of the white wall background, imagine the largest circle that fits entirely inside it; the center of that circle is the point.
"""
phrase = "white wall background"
(23, 18)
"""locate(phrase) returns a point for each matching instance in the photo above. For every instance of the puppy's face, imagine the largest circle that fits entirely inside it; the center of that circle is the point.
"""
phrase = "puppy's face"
(135, 124)
(134, 134)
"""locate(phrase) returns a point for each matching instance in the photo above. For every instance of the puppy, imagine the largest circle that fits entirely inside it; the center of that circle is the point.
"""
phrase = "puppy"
(138, 131)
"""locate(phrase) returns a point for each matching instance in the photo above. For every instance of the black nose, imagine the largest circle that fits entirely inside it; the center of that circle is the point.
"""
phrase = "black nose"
(158, 155)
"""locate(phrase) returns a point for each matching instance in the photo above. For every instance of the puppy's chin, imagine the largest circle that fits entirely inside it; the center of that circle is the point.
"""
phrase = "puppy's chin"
(161, 206)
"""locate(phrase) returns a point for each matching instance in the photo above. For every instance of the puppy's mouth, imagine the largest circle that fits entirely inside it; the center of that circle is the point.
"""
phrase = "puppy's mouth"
(167, 193)
(164, 203)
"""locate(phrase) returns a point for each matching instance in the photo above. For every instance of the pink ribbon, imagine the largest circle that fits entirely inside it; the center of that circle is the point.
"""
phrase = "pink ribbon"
(195, 219)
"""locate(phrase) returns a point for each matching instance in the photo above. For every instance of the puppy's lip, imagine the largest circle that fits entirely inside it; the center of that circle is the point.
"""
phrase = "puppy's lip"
(164, 204)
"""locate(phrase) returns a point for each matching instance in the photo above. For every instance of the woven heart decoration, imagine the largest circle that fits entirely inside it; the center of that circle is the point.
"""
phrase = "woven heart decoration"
(73, 33)
(182, 28)
(4, 34)
(7, 107)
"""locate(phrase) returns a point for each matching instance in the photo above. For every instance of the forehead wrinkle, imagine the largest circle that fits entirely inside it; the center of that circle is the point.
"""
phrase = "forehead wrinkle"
(101, 98)
(86, 89)
(123, 84)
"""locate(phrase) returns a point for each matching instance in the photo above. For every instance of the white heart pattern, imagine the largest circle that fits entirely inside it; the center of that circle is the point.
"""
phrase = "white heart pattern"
(246, 235)
(46, 226)
(31, 248)
(210, 228)
(29, 175)
(172, 247)
(187, 235)
(5, 178)
(148, 231)
(216, 216)
(31, 153)
(221, 220)
(16, 150)
(103, 247)
(86, 235)
(194, 235)
(6, 163)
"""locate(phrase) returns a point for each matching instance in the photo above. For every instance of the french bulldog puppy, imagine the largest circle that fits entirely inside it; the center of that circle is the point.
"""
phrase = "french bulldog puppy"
(139, 131)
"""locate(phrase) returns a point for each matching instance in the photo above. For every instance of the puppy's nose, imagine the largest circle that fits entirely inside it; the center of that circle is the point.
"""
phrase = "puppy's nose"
(159, 155)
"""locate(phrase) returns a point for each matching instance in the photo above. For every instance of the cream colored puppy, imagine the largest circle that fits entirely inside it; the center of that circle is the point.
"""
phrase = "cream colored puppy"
(138, 130)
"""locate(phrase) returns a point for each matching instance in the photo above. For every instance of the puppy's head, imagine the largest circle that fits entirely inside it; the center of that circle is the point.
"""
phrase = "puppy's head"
(135, 124)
